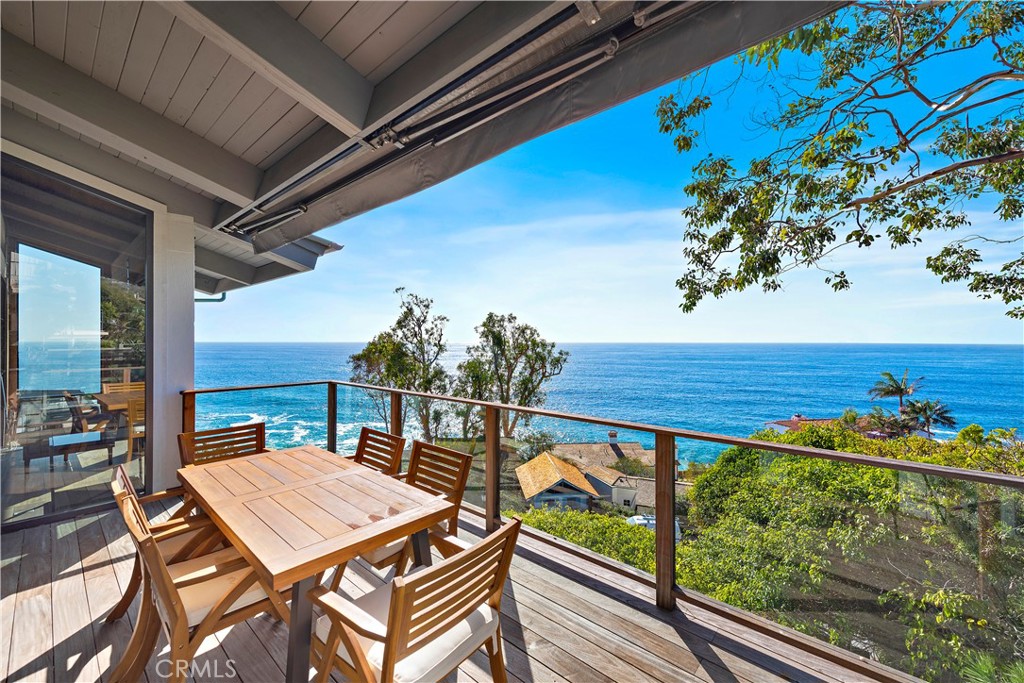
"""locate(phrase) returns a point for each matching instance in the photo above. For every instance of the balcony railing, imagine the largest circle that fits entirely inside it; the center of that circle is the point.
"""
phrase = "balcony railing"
(945, 499)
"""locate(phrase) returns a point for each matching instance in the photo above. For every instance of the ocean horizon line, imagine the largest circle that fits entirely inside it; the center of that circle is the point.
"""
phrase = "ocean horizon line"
(657, 343)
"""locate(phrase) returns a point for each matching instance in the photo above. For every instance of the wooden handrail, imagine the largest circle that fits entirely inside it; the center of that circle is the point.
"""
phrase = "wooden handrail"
(911, 466)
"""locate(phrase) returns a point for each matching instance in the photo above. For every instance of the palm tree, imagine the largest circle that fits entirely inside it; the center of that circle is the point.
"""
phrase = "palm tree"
(889, 386)
(928, 413)
(887, 422)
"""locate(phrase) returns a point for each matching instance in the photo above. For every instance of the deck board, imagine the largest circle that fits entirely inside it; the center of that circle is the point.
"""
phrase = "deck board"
(10, 568)
(564, 620)
(32, 632)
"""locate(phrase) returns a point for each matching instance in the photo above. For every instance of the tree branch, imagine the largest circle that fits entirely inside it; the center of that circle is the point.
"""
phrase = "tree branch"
(896, 189)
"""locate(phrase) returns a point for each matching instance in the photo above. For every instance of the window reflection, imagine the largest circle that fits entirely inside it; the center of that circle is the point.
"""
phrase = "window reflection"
(74, 352)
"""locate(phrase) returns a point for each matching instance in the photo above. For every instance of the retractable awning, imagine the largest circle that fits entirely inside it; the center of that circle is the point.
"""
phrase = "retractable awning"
(269, 121)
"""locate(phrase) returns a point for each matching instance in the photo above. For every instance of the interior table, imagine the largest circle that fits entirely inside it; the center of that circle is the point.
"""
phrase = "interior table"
(118, 401)
(297, 512)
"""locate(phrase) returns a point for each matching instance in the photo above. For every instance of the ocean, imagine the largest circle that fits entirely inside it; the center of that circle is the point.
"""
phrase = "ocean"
(732, 389)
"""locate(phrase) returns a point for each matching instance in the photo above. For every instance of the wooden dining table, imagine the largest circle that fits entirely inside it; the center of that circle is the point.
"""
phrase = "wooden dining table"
(297, 512)
(118, 401)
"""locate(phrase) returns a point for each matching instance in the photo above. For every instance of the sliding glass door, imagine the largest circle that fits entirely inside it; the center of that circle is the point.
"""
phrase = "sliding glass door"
(74, 353)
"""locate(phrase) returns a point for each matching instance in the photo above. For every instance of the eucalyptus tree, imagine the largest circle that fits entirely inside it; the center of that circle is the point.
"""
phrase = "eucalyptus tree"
(519, 363)
(888, 120)
(408, 356)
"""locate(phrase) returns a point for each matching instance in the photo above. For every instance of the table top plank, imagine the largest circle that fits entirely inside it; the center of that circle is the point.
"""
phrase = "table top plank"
(293, 464)
(321, 519)
(256, 476)
(233, 482)
(278, 471)
(344, 511)
(402, 499)
(325, 555)
(212, 487)
(300, 511)
(295, 532)
(316, 462)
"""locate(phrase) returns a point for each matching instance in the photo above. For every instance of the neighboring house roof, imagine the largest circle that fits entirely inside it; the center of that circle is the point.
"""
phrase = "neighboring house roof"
(603, 454)
(798, 421)
(644, 486)
(544, 471)
(605, 474)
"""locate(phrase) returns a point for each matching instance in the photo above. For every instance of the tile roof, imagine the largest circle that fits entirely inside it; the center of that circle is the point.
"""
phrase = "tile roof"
(605, 474)
(644, 496)
(544, 471)
(602, 454)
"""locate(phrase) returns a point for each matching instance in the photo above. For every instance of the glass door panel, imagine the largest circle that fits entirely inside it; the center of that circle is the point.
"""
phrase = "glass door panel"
(74, 352)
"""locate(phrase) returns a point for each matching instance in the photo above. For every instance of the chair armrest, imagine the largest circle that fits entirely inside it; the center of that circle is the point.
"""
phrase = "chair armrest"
(347, 612)
(400, 475)
(176, 492)
(217, 570)
(448, 545)
(175, 527)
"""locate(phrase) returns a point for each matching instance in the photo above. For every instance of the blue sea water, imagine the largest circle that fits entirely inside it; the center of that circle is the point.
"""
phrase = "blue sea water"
(732, 389)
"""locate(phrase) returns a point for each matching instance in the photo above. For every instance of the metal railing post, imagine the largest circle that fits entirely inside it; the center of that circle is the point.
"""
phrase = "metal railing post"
(492, 467)
(188, 412)
(332, 417)
(396, 413)
(664, 520)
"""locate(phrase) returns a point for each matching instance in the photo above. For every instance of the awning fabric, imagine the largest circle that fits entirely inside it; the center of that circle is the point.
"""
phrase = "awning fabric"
(713, 32)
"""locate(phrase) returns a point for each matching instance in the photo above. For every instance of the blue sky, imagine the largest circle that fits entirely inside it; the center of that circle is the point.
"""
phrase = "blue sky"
(579, 233)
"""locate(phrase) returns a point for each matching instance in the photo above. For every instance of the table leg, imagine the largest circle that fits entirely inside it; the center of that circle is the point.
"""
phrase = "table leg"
(421, 549)
(300, 632)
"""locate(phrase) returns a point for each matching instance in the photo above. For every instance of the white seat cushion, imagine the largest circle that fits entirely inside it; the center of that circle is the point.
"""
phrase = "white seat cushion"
(384, 552)
(172, 544)
(201, 566)
(198, 599)
(434, 660)
(378, 555)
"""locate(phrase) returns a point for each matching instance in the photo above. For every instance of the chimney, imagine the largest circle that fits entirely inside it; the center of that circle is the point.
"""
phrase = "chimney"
(613, 437)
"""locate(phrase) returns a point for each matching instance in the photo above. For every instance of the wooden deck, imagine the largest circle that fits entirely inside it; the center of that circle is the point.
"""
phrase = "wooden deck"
(565, 619)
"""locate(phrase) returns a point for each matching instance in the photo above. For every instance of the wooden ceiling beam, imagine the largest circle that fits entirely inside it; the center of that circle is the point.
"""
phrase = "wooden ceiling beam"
(476, 37)
(38, 137)
(55, 90)
(225, 266)
(266, 39)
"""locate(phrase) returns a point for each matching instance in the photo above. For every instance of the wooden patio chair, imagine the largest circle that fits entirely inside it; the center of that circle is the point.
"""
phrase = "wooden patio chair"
(136, 424)
(85, 419)
(380, 450)
(421, 626)
(177, 538)
(122, 387)
(434, 469)
(189, 600)
(197, 448)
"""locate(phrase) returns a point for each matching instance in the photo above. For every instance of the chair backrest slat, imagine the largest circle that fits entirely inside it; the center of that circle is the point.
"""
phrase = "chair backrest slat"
(441, 471)
(122, 387)
(136, 412)
(380, 450)
(196, 448)
(122, 484)
(78, 422)
(431, 601)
